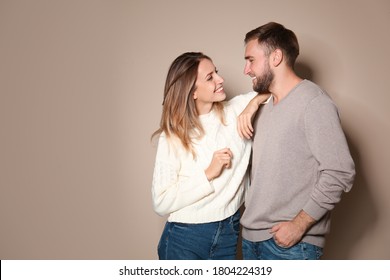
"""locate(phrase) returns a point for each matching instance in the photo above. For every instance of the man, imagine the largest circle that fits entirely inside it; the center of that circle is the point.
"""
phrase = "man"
(301, 162)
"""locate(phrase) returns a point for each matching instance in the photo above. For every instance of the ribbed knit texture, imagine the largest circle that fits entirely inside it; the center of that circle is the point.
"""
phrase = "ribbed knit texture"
(180, 188)
(300, 161)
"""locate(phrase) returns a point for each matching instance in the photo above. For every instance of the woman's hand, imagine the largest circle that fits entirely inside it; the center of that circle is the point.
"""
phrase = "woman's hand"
(221, 159)
(244, 120)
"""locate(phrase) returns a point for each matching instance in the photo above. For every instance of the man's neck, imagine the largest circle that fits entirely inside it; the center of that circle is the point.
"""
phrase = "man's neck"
(283, 85)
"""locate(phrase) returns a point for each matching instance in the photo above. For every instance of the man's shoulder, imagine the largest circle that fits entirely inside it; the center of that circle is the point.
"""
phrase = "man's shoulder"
(311, 88)
(310, 91)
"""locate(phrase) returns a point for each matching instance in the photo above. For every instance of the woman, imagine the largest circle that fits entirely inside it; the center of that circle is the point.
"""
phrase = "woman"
(201, 162)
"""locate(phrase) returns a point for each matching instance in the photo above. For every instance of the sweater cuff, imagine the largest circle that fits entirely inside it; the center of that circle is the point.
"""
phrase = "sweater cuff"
(204, 183)
(314, 210)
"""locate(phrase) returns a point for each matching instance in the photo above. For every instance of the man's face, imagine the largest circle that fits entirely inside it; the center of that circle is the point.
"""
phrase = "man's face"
(257, 67)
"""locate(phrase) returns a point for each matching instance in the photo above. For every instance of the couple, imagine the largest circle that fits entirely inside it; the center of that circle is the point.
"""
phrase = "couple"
(300, 161)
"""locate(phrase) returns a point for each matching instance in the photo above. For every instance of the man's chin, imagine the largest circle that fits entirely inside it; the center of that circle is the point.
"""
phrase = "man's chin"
(261, 89)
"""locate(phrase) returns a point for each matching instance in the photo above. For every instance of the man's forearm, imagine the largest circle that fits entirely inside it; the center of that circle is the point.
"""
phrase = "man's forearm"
(304, 221)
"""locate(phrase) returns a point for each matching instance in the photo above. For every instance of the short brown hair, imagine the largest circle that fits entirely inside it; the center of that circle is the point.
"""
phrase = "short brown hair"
(275, 36)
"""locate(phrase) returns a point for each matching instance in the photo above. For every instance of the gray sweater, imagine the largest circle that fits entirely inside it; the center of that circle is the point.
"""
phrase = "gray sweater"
(300, 161)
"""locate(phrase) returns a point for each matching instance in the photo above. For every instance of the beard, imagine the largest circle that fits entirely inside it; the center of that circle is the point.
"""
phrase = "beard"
(264, 81)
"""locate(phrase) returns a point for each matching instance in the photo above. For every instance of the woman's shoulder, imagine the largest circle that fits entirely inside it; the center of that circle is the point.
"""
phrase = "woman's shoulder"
(243, 97)
(239, 102)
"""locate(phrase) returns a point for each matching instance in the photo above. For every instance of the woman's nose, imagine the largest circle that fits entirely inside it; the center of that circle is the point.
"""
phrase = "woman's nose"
(220, 79)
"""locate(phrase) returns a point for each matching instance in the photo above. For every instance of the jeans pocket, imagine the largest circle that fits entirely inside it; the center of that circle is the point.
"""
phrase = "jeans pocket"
(299, 251)
(279, 247)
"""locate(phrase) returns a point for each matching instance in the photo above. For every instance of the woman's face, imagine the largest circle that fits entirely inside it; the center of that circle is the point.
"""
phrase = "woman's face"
(209, 87)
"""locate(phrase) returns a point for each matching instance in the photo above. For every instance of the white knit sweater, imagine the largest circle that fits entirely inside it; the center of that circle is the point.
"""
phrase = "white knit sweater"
(180, 188)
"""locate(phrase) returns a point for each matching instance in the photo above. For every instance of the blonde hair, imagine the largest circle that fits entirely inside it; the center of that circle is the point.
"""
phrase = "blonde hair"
(179, 116)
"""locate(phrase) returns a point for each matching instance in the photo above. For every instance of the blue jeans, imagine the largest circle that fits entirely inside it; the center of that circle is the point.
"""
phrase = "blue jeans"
(207, 241)
(269, 250)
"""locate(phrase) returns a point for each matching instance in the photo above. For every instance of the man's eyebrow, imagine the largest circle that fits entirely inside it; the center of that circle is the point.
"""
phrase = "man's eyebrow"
(248, 57)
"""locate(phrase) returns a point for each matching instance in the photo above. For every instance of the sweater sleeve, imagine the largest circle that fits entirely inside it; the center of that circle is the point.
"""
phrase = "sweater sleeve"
(177, 182)
(239, 102)
(328, 144)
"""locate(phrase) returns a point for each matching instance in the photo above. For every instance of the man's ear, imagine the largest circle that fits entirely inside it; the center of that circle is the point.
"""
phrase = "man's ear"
(277, 57)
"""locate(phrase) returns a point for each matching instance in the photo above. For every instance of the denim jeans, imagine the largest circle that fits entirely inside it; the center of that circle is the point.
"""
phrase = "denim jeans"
(269, 250)
(206, 241)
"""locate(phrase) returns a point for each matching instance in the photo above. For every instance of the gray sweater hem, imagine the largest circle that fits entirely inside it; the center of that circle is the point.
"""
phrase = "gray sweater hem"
(262, 235)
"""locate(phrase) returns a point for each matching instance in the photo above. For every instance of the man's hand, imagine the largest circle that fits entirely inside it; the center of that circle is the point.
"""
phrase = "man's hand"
(287, 234)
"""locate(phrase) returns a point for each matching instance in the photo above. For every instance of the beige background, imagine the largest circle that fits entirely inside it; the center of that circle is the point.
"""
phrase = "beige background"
(81, 90)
